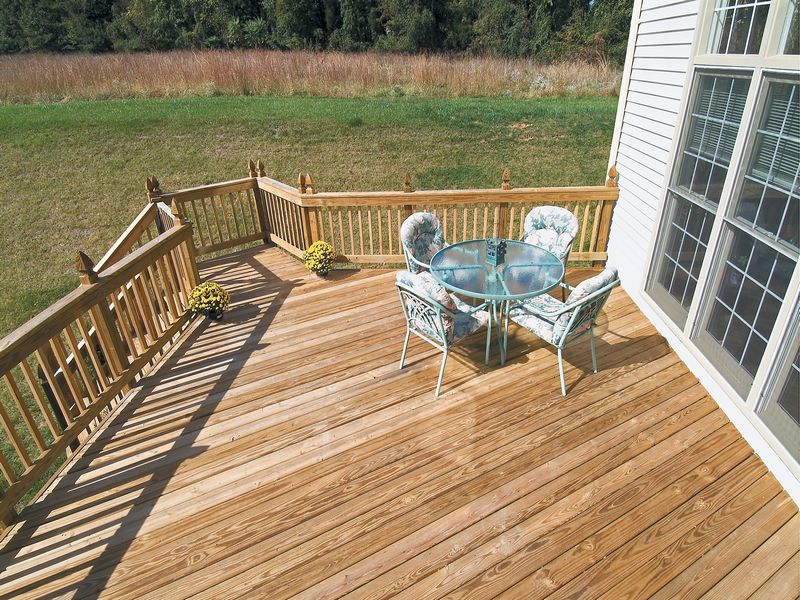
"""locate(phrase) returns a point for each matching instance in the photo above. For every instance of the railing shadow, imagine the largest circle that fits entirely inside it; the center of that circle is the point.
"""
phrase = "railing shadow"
(258, 295)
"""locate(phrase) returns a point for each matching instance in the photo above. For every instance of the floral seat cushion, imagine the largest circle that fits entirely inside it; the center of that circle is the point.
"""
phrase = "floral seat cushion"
(422, 237)
(536, 314)
(456, 329)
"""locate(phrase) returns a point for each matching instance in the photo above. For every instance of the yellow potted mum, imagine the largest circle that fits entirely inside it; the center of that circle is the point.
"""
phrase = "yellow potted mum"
(209, 299)
(319, 258)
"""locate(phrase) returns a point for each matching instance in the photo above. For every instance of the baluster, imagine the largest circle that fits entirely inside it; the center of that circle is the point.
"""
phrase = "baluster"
(24, 411)
(40, 399)
(77, 358)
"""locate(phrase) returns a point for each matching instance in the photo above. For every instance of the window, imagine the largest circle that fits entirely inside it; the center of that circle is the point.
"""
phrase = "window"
(712, 129)
(739, 26)
(725, 269)
(759, 244)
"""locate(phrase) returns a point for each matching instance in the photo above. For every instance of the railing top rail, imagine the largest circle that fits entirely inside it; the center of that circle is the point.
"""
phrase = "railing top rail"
(18, 344)
(468, 196)
(203, 191)
(278, 187)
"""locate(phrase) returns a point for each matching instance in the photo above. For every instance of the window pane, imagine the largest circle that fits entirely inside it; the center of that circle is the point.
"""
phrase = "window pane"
(770, 194)
(689, 230)
(747, 300)
(713, 127)
(791, 45)
(739, 26)
(789, 399)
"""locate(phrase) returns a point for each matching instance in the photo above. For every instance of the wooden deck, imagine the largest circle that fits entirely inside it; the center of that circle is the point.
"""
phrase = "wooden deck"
(281, 452)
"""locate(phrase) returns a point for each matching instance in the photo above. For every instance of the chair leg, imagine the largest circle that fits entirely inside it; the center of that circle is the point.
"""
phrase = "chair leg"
(441, 374)
(488, 339)
(405, 347)
(561, 373)
(594, 354)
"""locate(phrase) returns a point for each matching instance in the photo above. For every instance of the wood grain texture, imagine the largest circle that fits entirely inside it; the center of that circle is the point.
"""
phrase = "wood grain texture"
(282, 453)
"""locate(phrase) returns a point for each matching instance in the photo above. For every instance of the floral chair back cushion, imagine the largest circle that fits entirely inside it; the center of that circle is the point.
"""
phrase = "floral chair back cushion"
(552, 228)
(550, 240)
(422, 236)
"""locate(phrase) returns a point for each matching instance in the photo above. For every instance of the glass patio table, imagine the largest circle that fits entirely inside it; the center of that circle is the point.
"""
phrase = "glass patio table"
(526, 271)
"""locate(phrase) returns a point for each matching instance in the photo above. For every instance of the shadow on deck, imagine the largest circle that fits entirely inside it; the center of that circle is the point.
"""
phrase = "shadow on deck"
(281, 452)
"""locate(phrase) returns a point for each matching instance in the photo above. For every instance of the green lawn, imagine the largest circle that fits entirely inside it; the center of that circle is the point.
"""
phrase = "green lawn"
(73, 174)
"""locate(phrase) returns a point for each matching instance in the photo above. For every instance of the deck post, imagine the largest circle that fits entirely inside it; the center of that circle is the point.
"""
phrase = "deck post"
(407, 188)
(256, 170)
(188, 253)
(308, 216)
(604, 227)
(502, 223)
(110, 344)
(154, 192)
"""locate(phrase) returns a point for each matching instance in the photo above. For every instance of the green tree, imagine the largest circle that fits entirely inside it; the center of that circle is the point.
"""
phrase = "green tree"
(300, 23)
(86, 22)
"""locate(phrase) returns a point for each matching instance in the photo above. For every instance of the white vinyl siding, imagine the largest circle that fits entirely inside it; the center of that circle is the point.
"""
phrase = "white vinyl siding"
(658, 75)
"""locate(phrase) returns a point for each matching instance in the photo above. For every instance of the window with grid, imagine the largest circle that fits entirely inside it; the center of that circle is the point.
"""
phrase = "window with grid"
(712, 129)
(760, 243)
(739, 26)
(770, 199)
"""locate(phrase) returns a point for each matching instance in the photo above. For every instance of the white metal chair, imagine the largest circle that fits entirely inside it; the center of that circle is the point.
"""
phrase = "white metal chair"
(422, 236)
(552, 228)
(439, 318)
(564, 323)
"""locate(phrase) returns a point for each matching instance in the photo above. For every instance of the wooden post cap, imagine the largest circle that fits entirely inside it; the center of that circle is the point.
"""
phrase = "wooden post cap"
(260, 169)
(309, 184)
(407, 184)
(301, 183)
(251, 168)
(85, 267)
(506, 181)
(153, 188)
(612, 176)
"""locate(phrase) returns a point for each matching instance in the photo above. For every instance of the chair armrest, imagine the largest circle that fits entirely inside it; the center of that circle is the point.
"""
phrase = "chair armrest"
(475, 309)
(413, 259)
(441, 308)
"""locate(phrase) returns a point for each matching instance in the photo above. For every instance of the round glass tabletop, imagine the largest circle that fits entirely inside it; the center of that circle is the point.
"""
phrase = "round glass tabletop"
(526, 270)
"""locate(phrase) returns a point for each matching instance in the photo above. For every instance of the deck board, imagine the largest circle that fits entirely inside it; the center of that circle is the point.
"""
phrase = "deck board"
(282, 453)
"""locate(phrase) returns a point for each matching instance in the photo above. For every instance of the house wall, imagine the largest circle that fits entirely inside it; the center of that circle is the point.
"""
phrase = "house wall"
(657, 75)
(656, 71)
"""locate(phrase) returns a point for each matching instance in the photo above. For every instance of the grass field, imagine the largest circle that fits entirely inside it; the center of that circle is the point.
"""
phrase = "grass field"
(73, 173)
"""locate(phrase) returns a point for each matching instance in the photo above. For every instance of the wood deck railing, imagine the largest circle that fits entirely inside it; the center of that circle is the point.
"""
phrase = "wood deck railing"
(65, 369)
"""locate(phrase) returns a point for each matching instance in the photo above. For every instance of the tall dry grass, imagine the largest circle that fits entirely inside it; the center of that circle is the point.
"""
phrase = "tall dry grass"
(52, 77)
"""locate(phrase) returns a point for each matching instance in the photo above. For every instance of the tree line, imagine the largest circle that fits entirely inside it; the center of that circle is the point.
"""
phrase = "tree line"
(546, 29)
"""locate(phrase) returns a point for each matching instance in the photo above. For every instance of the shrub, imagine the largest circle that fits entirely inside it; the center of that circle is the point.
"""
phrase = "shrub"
(209, 297)
(319, 257)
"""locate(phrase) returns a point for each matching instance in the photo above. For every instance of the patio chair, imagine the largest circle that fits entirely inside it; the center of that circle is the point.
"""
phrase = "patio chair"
(439, 318)
(564, 323)
(552, 228)
(422, 236)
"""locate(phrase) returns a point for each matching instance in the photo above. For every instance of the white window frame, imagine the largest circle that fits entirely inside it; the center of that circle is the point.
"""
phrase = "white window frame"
(767, 61)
